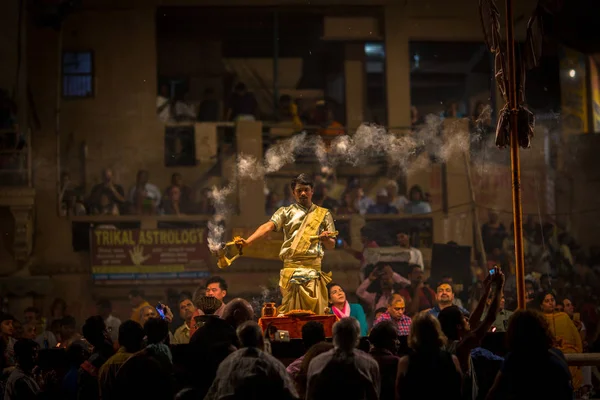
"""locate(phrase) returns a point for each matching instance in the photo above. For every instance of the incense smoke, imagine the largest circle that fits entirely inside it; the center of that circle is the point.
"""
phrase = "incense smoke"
(440, 139)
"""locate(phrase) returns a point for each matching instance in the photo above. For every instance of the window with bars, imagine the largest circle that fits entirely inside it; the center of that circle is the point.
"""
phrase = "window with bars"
(77, 74)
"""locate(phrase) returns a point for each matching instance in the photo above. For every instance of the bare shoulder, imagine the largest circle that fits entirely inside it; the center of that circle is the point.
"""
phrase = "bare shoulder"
(403, 364)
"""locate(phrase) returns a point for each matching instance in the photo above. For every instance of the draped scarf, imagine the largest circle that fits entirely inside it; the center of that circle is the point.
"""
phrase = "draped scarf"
(344, 313)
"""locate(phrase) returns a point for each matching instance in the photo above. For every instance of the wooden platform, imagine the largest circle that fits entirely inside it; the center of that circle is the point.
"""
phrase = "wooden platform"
(294, 324)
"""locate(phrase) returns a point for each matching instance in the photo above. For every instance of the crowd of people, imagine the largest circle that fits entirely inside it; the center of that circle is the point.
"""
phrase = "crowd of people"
(350, 198)
(388, 344)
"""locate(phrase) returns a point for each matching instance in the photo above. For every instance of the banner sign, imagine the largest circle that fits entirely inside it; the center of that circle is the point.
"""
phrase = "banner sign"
(268, 248)
(149, 254)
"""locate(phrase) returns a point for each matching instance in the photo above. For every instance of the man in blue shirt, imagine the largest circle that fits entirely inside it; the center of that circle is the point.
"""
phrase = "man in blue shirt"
(445, 298)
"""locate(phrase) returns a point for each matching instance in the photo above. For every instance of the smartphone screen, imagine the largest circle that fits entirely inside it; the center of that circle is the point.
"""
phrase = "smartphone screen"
(577, 317)
(492, 271)
(159, 309)
(339, 243)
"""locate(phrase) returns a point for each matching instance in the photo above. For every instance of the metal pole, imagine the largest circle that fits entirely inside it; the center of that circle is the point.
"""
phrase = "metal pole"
(275, 63)
(515, 162)
(59, 86)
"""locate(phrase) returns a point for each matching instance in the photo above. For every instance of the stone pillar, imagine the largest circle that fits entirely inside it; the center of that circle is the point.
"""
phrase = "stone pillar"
(397, 66)
(251, 195)
(355, 81)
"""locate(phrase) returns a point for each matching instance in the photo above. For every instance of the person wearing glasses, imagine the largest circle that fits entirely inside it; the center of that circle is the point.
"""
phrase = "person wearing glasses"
(395, 313)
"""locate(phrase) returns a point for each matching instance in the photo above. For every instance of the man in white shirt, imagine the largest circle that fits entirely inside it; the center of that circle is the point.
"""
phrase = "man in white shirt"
(415, 255)
(104, 309)
(143, 194)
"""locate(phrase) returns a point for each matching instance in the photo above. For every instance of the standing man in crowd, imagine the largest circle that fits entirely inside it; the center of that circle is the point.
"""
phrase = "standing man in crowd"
(307, 230)
(186, 312)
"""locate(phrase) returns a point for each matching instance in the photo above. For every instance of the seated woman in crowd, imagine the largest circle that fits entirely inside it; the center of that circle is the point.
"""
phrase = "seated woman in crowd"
(342, 309)
(566, 335)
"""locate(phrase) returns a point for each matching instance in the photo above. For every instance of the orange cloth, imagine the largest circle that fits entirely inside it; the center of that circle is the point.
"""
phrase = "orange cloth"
(568, 340)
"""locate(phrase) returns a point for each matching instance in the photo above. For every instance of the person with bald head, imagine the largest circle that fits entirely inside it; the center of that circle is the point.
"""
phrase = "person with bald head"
(109, 188)
(445, 298)
(250, 372)
(237, 312)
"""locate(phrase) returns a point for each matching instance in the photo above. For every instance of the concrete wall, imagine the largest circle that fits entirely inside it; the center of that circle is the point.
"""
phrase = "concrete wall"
(119, 124)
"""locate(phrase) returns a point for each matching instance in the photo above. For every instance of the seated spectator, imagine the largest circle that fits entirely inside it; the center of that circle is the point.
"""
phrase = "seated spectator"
(361, 200)
(532, 358)
(414, 255)
(416, 203)
(313, 332)
(386, 278)
(395, 199)
(322, 199)
(251, 373)
(131, 338)
(21, 383)
(428, 360)
(105, 206)
(418, 297)
(569, 309)
(242, 105)
(564, 331)
(342, 309)
(173, 204)
(144, 197)
(94, 331)
(185, 192)
(395, 314)
(445, 298)
(384, 342)
(347, 205)
(344, 372)
(382, 204)
(462, 336)
(114, 195)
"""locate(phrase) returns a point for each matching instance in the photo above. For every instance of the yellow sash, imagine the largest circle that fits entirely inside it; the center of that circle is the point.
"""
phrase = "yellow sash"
(310, 227)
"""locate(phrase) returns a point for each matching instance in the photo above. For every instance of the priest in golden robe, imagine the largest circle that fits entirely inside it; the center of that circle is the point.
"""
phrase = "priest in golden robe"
(307, 230)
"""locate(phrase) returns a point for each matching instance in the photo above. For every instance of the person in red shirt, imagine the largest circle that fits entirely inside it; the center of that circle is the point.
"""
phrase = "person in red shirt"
(418, 297)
